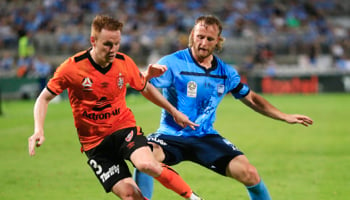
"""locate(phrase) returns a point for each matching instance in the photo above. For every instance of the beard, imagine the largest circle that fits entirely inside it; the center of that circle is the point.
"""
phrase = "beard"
(203, 53)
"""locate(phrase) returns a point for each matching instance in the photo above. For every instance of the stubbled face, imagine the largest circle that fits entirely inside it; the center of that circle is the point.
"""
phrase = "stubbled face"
(105, 46)
(205, 38)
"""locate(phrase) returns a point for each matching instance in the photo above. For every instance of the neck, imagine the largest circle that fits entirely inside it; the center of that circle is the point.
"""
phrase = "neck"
(97, 60)
(205, 62)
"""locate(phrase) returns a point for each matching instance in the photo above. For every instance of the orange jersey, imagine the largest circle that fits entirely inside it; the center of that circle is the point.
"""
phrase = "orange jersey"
(97, 95)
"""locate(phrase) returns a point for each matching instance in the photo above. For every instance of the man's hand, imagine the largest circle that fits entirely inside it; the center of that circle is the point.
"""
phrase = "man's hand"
(154, 70)
(36, 140)
(183, 121)
(299, 119)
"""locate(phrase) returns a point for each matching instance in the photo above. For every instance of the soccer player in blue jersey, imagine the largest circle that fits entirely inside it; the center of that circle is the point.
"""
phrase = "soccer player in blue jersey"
(196, 81)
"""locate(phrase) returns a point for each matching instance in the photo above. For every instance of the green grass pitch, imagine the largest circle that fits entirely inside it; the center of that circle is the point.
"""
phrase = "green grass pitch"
(295, 162)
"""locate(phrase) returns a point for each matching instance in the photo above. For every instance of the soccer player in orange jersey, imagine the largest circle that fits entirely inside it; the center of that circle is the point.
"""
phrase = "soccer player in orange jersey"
(96, 80)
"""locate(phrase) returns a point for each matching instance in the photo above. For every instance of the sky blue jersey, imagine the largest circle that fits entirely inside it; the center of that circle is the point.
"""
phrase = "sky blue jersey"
(195, 91)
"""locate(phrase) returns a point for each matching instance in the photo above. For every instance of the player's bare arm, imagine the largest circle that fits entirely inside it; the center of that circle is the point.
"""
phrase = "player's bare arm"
(40, 110)
(261, 105)
(154, 70)
(152, 94)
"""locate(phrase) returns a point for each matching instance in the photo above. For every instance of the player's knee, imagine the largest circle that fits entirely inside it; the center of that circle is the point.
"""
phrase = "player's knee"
(148, 167)
(240, 169)
(126, 191)
(250, 176)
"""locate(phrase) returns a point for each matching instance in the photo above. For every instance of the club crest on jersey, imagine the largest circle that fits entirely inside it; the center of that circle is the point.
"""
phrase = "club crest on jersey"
(87, 84)
(221, 89)
(120, 81)
(130, 136)
(192, 89)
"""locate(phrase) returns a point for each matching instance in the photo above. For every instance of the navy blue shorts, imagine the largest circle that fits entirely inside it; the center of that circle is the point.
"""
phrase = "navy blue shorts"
(212, 151)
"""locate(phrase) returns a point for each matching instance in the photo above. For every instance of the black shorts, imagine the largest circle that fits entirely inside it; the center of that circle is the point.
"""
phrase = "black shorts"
(107, 160)
(211, 151)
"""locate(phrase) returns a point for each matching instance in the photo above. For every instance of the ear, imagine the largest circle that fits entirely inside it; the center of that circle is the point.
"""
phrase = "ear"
(92, 40)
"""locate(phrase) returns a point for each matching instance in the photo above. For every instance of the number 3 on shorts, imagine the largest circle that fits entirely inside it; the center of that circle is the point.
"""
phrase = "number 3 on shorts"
(97, 168)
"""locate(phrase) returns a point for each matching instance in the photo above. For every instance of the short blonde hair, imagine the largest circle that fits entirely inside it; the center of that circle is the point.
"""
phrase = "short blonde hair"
(208, 20)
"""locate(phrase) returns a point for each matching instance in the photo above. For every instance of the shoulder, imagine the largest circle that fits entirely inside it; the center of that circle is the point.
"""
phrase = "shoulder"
(82, 55)
(122, 56)
(77, 59)
(229, 68)
(72, 63)
(182, 54)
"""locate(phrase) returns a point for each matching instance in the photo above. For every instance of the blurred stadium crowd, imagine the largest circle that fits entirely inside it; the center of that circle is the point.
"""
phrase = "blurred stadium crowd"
(36, 35)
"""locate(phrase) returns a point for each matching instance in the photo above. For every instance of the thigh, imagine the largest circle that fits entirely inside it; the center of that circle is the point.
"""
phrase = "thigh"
(108, 171)
(143, 160)
(173, 147)
(107, 159)
(214, 152)
(133, 140)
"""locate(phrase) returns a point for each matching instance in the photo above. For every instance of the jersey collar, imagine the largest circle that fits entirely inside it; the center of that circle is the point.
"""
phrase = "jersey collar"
(214, 63)
(103, 70)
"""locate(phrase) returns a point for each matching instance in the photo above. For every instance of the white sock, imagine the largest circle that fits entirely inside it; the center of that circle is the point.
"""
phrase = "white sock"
(194, 197)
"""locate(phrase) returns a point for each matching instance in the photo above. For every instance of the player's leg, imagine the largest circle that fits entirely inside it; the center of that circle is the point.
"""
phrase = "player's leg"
(113, 174)
(139, 153)
(258, 191)
(127, 189)
(111, 169)
(144, 160)
(220, 155)
(144, 181)
(240, 169)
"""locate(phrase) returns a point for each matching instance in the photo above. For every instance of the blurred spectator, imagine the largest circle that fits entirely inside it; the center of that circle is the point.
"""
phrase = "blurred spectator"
(338, 56)
(26, 51)
(263, 52)
(41, 69)
(294, 22)
(7, 62)
(8, 38)
(313, 51)
(26, 47)
(271, 67)
(248, 65)
(24, 67)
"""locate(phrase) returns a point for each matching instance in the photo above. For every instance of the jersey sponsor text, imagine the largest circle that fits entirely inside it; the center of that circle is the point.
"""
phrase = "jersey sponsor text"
(102, 116)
